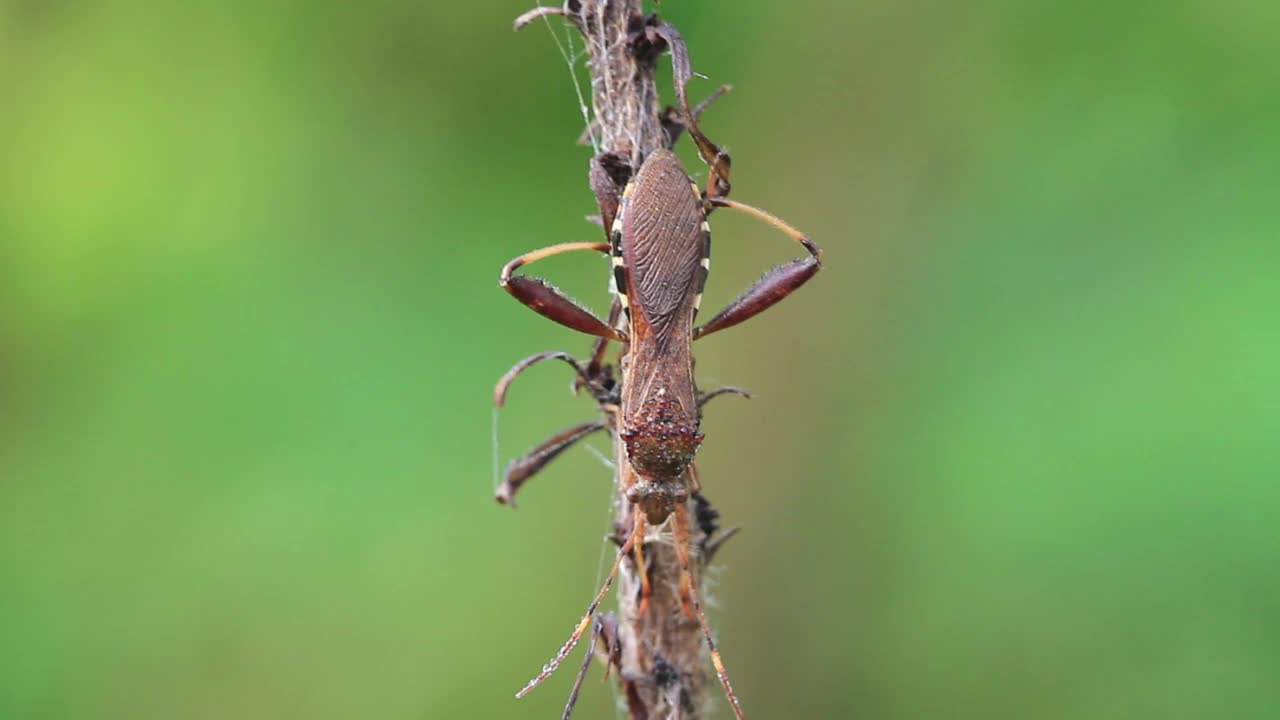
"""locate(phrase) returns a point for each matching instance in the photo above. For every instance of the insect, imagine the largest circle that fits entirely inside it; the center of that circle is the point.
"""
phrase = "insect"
(659, 245)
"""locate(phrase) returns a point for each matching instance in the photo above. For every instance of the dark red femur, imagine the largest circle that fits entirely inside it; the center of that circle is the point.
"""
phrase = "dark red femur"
(662, 438)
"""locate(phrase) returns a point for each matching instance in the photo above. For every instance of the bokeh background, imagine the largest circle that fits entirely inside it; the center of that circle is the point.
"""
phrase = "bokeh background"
(1013, 453)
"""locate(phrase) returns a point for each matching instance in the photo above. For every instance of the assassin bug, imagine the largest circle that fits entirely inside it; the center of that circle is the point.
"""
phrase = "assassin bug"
(659, 243)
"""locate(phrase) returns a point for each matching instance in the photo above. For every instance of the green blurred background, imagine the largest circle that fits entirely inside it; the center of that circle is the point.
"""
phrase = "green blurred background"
(1013, 454)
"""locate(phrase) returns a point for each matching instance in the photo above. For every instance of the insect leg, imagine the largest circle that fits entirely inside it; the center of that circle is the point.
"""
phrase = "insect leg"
(637, 535)
(646, 589)
(775, 285)
(712, 154)
(726, 390)
(539, 12)
(673, 117)
(523, 468)
(595, 368)
(706, 101)
(692, 606)
(714, 545)
(607, 176)
(500, 390)
(550, 302)
(628, 476)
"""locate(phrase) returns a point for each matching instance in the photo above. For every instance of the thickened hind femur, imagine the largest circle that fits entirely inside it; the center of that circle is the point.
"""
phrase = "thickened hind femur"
(662, 439)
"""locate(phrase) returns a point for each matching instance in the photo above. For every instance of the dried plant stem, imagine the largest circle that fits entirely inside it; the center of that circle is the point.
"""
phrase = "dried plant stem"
(663, 655)
(664, 669)
(624, 94)
(656, 651)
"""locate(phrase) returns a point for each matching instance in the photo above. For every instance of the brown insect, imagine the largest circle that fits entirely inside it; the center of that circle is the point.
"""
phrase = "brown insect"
(659, 242)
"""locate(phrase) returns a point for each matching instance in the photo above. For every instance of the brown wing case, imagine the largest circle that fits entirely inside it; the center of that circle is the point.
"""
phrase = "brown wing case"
(665, 244)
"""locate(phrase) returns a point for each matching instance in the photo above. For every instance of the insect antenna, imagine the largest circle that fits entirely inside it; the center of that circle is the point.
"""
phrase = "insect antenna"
(596, 632)
(636, 536)
(689, 591)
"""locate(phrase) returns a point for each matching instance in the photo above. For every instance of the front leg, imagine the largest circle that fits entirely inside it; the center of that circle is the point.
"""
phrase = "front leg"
(549, 302)
(523, 468)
